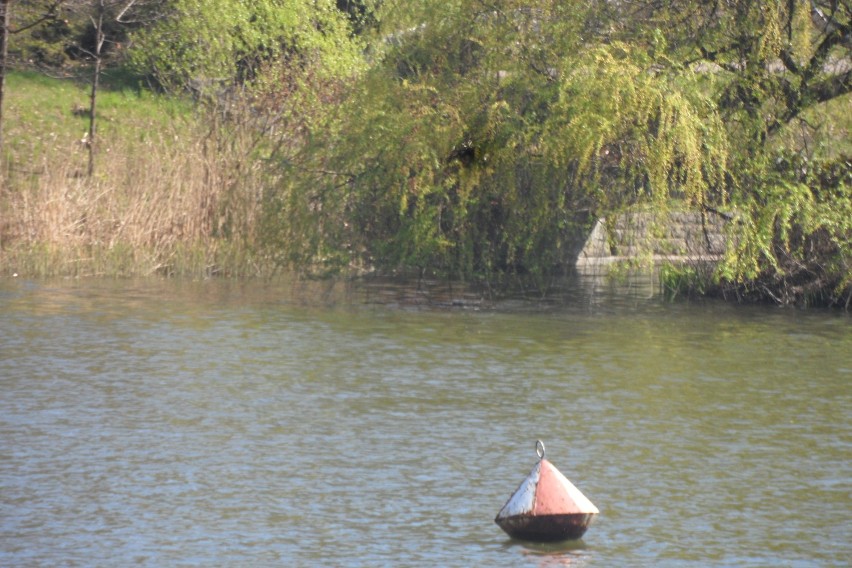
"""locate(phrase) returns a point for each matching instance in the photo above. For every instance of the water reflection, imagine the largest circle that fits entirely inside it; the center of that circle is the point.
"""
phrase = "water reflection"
(546, 555)
(593, 287)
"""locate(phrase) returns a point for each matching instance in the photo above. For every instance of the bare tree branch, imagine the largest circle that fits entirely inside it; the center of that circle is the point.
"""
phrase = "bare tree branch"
(49, 13)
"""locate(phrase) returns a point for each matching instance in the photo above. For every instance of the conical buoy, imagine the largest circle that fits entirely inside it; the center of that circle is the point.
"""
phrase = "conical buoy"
(546, 506)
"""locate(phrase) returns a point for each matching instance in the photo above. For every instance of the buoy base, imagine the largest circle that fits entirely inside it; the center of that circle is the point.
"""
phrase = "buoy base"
(546, 528)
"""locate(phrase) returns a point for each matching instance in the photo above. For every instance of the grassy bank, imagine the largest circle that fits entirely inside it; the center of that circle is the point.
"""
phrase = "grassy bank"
(166, 197)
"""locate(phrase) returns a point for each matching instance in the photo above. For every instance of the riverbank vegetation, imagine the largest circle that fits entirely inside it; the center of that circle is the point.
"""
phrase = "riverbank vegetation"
(472, 139)
(163, 199)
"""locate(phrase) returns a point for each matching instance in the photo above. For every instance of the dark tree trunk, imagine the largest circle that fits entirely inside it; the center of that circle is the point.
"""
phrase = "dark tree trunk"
(98, 22)
(4, 52)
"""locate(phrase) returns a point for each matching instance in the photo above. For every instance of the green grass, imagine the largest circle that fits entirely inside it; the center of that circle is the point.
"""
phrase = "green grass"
(43, 113)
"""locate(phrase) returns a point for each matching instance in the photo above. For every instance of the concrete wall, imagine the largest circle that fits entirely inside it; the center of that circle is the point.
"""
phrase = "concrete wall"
(677, 237)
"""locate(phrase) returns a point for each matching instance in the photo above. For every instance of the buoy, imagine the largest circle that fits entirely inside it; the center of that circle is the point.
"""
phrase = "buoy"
(546, 506)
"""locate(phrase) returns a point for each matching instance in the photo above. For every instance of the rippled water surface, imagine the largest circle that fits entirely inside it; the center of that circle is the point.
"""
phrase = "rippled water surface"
(250, 424)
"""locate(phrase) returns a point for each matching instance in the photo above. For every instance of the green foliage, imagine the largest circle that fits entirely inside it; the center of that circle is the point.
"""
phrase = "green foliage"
(486, 141)
(770, 69)
(637, 135)
(57, 34)
(43, 45)
(206, 45)
(363, 15)
(485, 138)
(794, 233)
(677, 279)
(400, 187)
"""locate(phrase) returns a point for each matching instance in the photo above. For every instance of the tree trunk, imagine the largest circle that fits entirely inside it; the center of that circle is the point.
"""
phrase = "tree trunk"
(98, 22)
(4, 52)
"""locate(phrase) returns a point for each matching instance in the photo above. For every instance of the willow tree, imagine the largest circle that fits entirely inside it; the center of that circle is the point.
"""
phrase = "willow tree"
(794, 241)
(779, 74)
(488, 136)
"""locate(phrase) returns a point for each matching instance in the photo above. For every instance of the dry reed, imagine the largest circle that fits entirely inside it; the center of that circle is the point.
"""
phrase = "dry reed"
(169, 203)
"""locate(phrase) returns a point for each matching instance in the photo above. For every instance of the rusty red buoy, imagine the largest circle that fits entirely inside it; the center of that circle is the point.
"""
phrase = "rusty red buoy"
(546, 506)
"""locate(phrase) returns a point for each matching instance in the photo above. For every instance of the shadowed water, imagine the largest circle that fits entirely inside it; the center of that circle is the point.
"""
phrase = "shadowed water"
(219, 423)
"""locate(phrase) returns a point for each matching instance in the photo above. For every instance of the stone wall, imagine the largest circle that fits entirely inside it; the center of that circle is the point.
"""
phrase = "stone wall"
(677, 237)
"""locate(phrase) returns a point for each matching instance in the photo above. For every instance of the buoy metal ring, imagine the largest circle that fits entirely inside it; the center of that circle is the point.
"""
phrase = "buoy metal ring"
(539, 449)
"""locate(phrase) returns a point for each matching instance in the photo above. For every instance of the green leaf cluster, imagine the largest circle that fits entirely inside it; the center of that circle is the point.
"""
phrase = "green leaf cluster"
(487, 139)
(208, 44)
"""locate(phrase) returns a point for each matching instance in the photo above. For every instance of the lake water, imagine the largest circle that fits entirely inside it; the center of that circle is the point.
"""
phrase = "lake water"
(173, 423)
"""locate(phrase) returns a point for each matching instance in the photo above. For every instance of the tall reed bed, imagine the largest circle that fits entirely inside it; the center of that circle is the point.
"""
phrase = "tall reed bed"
(168, 197)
